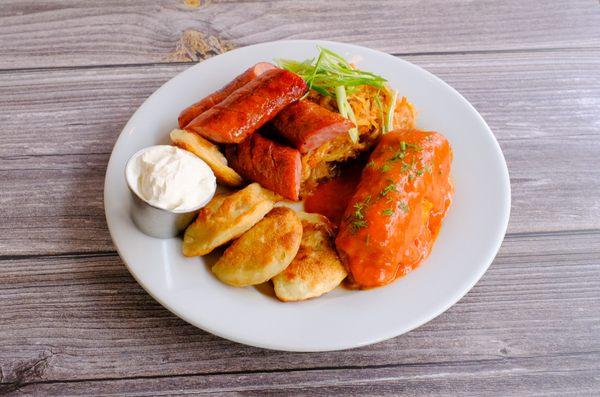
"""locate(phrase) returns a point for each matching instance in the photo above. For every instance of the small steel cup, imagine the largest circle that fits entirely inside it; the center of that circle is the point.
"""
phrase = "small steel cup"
(159, 222)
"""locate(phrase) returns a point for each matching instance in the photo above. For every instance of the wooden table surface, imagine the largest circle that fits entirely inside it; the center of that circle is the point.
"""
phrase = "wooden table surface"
(74, 321)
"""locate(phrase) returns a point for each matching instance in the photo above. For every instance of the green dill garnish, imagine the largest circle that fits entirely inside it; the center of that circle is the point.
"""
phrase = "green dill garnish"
(371, 164)
(387, 189)
(358, 208)
(357, 225)
(385, 168)
(411, 176)
(419, 172)
(405, 166)
(397, 156)
(428, 168)
(407, 145)
(387, 212)
(401, 153)
(403, 206)
(357, 218)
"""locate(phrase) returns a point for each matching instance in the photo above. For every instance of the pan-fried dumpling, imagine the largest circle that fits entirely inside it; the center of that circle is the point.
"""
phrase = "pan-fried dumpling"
(263, 251)
(316, 269)
(227, 217)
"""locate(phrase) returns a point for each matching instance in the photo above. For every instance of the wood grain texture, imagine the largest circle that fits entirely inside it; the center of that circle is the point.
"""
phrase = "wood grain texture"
(83, 318)
(74, 322)
(566, 375)
(77, 32)
(543, 108)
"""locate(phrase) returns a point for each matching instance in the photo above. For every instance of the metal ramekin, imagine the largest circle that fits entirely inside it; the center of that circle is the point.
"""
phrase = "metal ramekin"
(159, 222)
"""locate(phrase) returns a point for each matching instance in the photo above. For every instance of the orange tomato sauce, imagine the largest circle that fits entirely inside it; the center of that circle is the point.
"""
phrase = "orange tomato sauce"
(394, 216)
(331, 197)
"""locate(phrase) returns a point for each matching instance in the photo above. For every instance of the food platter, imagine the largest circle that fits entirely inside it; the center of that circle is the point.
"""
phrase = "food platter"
(470, 238)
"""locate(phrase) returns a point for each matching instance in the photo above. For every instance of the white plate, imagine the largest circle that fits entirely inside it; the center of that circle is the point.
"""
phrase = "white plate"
(468, 241)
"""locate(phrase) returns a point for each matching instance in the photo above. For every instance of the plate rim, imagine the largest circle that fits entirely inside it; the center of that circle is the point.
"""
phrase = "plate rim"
(382, 336)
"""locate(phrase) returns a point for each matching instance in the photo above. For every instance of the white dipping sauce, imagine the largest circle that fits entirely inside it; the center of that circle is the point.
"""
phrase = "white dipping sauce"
(171, 178)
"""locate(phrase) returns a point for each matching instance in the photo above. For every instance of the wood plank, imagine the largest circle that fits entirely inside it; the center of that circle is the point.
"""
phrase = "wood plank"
(53, 204)
(84, 318)
(521, 96)
(568, 375)
(77, 32)
(542, 107)
(75, 322)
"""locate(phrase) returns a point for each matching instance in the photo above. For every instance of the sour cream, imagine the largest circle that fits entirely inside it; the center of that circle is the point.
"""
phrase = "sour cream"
(171, 178)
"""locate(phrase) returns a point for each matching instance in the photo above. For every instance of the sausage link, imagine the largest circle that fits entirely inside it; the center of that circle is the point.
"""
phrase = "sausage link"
(307, 125)
(193, 111)
(274, 166)
(249, 107)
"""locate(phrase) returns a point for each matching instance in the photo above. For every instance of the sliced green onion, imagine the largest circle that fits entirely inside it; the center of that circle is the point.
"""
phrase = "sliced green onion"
(331, 75)
(390, 112)
(346, 110)
(316, 69)
(330, 70)
(380, 106)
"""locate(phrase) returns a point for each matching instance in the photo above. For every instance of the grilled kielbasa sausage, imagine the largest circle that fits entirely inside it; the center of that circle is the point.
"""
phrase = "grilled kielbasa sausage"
(193, 111)
(274, 166)
(249, 107)
(307, 125)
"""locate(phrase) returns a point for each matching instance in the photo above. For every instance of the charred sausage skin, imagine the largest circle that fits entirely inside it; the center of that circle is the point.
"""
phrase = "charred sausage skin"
(395, 214)
(307, 125)
(194, 110)
(249, 107)
(274, 166)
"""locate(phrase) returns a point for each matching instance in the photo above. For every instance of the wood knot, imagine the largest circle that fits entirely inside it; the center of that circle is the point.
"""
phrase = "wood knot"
(30, 370)
(194, 46)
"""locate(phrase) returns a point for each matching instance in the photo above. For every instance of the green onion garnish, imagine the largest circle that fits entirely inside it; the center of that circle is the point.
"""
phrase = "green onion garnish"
(330, 70)
(389, 125)
(346, 110)
(380, 106)
(331, 75)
